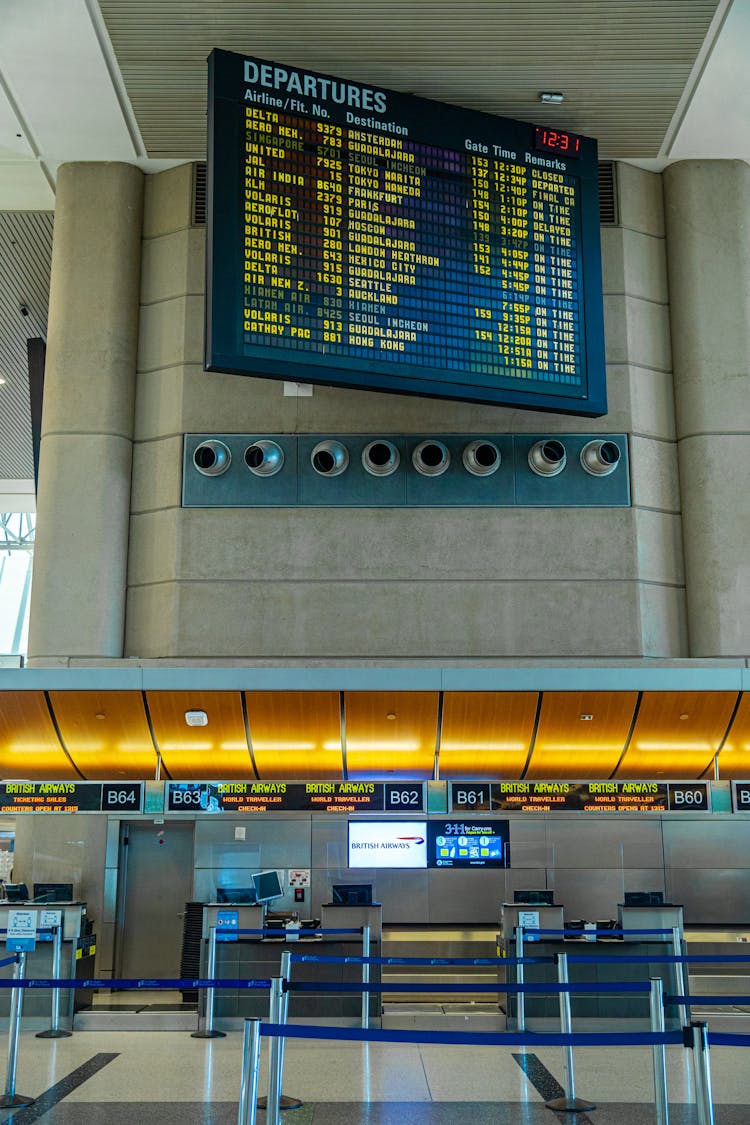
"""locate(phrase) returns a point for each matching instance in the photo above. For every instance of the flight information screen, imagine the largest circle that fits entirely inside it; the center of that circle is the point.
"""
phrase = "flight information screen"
(365, 238)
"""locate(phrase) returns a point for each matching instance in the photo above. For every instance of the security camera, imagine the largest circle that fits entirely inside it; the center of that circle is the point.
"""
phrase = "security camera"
(24, 310)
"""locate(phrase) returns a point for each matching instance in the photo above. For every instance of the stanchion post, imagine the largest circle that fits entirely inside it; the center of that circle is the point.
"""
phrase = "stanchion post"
(569, 1103)
(656, 1002)
(365, 977)
(274, 1075)
(55, 1031)
(208, 1031)
(680, 974)
(520, 998)
(10, 1097)
(276, 1050)
(247, 1113)
(702, 1071)
(286, 972)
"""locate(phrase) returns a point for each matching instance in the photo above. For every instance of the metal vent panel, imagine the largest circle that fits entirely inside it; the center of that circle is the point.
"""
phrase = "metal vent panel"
(622, 67)
(25, 260)
(608, 208)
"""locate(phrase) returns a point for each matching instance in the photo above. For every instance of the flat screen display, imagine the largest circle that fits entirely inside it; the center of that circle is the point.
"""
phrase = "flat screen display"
(366, 238)
(468, 843)
(267, 886)
(387, 843)
(53, 892)
(351, 894)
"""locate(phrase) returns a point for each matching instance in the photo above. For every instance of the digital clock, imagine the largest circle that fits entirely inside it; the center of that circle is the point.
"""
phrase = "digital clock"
(555, 140)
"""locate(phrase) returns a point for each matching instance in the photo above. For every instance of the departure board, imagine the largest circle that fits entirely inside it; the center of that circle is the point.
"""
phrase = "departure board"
(580, 796)
(366, 238)
(295, 796)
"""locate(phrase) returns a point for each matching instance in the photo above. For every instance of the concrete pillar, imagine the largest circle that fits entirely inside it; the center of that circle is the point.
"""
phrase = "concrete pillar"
(83, 506)
(707, 210)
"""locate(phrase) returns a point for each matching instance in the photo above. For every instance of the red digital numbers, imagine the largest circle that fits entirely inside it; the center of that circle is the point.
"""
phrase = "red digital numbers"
(553, 140)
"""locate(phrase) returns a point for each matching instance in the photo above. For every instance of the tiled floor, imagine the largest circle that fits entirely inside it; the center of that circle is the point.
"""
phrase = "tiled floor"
(163, 1077)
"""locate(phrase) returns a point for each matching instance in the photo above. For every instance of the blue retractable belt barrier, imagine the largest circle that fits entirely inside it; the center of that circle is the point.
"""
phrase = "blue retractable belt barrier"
(660, 959)
(281, 931)
(724, 1039)
(134, 983)
(591, 933)
(696, 1000)
(477, 1038)
(8, 961)
(299, 957)
(544, 989)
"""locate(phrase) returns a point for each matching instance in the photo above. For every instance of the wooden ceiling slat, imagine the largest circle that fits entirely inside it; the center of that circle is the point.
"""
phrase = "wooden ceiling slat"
(296, 734)
(677, 733)
(29, 746)
(734, 756)
(391, 748)
(218, 751)
(106, 733)
(486, 734)
(570, 747)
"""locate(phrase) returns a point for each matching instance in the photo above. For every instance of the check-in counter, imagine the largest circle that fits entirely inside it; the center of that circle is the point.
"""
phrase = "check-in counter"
(77, 960)
(255, 957)
(602, 1010)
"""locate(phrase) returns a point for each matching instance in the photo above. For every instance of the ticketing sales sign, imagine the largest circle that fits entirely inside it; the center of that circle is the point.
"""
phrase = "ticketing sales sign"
(286, 796)
(365, 238)
(591, 796)
(70, 796)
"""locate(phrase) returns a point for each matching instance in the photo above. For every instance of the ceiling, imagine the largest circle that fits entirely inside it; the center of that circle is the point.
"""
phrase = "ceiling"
(351, 735)
(654, 80)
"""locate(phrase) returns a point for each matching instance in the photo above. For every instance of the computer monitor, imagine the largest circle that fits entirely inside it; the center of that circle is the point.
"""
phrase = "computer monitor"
(643, 898)
(53, 892)
(239, 896)
(534, 898)
(352, 894)
(267, 886)
(17, 892)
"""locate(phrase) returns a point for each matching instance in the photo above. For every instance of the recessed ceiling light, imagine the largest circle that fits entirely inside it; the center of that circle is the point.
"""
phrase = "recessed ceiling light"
(585, 718)
(551, 98)
(196, 718)
(391, 715)
(684, 716)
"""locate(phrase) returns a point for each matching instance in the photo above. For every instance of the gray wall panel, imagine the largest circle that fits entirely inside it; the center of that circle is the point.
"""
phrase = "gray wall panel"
(474, 897)
(709, 843)
(614, 842)
(719, 896)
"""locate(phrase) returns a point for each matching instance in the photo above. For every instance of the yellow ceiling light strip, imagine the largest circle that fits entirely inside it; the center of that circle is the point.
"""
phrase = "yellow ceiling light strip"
(581, 735)
(217, 750)
(677, 733)
(486, 734)
(106, 733)
(391, 734)
(296, 735)
(29, 746)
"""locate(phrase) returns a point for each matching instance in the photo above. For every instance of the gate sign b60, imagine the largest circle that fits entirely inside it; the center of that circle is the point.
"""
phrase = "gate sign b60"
(689, 796)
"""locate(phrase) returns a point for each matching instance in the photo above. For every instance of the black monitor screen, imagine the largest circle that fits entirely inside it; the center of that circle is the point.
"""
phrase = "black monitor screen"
(643, 898)
(267, 885)
(241, 896)
(53, 892)
(535, 898)
(352, 894)
(17, 892)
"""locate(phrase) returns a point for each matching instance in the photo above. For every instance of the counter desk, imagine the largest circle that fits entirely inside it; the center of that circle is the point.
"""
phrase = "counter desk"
(607, 1008)
(255, 957)
(77, 960)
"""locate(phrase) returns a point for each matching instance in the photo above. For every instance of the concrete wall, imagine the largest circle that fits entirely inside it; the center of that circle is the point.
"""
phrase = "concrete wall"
(377, 586)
